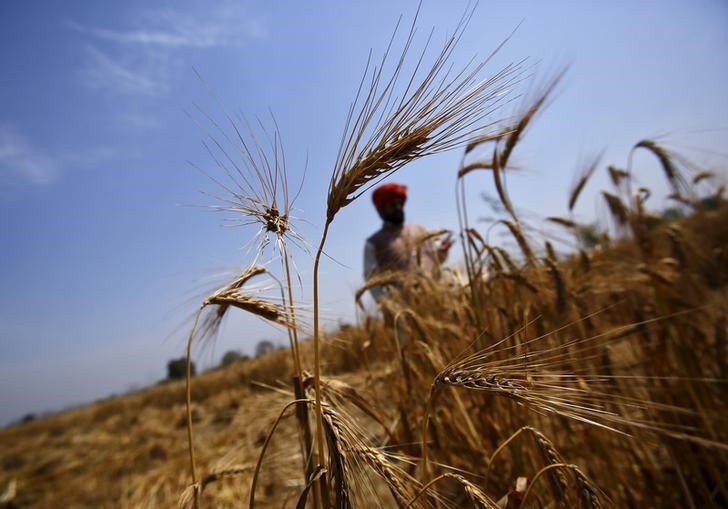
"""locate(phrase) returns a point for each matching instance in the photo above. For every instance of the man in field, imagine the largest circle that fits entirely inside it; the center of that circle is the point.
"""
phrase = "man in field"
(399, 246)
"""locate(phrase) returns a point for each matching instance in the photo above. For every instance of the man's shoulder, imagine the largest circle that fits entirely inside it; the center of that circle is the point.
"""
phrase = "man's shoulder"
(408, 229)
(379, 234)
(415, 229)
(373, 237)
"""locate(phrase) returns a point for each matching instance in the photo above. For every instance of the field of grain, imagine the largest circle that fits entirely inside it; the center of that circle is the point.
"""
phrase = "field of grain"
(610, 363)
(593, 377)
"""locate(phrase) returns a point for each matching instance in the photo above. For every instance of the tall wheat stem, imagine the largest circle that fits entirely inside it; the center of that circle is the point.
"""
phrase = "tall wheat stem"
(188, 401)
(301, 411)
(316, 347)
(293, 329)
(463, 224)
(259, 463)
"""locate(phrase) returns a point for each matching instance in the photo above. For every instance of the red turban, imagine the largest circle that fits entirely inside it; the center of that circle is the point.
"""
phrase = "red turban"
(388, 192)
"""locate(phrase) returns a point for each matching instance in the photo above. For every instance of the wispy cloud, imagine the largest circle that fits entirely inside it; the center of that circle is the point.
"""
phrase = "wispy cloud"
(107, 73)
(138, 121)
(175, 30)
(146, 37)
(22, 161)
(19, 160)
(140, 58)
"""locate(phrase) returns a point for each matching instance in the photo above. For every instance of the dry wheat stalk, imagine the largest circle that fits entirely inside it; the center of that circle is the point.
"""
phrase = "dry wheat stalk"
(336, 390)
(268, 310)
(255, 181)
(551, 455)
(388, 278)
(400, 484)
(506, 257)
(550, 251)
(436, 111)
(566, 223)
(229, 295)
(187, 499)
(559, 284)
(352, 461)
(703, 175)
(254, 164)
(264, 447)
(493, 258)
(254, 176)
(527, 117)
(338, 446)
(617, 208)
(581, 181)
(587, 491)
(669, 168)
(465, 169)
(477, 496)
(225, 473)
(538, 379)
(616, 175)
(517, 233)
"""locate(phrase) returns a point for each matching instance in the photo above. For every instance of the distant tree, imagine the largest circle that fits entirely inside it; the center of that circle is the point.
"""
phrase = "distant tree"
(712, 202)
(672, 213)
(177, 368)
(231, 357)
(263, 347)
(587, 235)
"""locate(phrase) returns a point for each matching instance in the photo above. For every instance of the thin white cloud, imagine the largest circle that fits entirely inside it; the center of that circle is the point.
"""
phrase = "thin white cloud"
(145, 37)
(88, 158)
(140, 58)
(225, 24)
(21, 161)
(138, 121)
(107, 73)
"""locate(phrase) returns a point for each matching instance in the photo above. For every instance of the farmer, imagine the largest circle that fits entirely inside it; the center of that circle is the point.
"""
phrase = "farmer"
(399, 246)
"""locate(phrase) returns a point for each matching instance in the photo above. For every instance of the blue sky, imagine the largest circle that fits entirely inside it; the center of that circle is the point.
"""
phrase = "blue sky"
(105, 243)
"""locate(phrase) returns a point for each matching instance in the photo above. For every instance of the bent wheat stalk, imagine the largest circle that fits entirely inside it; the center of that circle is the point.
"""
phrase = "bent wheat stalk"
(539, 379)
(229, 295)
(263, 449)
(476, 495)
(587, 491)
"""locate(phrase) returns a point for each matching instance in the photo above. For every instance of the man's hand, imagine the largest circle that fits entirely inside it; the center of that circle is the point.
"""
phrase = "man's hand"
(444, 247)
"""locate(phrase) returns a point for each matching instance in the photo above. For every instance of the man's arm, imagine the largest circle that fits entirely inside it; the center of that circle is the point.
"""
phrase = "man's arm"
(370, 268)
(370, 260)
(444, 248)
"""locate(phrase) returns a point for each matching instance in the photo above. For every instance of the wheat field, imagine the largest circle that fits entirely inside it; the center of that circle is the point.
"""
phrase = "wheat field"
(527, 376)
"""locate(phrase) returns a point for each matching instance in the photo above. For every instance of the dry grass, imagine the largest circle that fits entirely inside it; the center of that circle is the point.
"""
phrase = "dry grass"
(129, 451)
(611, 358)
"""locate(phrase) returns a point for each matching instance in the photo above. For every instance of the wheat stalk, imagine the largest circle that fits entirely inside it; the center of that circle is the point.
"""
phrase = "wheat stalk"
(436, 111)
(583, 178)
(617, 208)
(616, 175)
(229, 295)
(587, 491)
(537, 378)
(476, 495)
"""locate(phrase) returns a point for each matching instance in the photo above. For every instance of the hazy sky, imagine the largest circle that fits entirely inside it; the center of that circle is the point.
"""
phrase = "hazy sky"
(105, 245)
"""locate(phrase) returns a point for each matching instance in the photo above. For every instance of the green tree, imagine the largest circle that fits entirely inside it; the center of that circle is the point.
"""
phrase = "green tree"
(231, 357)
(587, 235)
(263, 347)
(177, 368)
